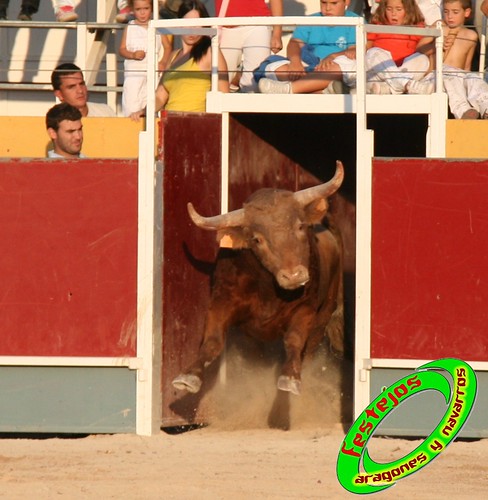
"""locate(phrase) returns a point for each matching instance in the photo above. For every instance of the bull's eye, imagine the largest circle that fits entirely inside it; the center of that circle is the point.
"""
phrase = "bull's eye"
(302, 227)
(257, 240)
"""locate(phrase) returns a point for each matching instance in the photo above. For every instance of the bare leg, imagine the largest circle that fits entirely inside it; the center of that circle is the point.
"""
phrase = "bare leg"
(316, 81)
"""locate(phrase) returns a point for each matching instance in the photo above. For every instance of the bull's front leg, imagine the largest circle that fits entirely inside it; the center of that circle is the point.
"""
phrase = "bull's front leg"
(211, 347)
(294, 339)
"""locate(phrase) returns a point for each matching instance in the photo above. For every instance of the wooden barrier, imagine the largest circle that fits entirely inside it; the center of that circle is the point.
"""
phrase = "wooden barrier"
(68, 241)
(429, 271)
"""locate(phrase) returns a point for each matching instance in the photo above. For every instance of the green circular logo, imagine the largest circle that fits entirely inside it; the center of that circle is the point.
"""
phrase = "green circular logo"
(375, 476)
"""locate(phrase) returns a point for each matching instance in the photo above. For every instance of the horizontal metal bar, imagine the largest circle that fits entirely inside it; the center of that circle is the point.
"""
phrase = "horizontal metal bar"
(414, 363)
(289, 21)
(409, 30)
(92, 26)
(131, 363)
(189, 31)
(258, 21)
(48, 86)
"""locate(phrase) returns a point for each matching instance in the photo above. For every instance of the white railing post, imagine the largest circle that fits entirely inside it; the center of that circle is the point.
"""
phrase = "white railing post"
(149, 342)
(364, 155)
(215, 64)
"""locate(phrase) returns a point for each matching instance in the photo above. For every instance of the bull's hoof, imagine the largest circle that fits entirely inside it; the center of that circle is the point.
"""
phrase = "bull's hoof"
(339, 354)
(185, 382)
(289, 384)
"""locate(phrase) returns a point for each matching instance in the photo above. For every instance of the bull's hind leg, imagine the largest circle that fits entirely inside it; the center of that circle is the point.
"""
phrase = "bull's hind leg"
(335, 326)
(335, 331)
(210, 349)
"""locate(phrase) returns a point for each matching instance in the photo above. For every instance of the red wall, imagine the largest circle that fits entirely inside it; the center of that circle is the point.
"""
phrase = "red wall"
(68, 257)
(430, 259)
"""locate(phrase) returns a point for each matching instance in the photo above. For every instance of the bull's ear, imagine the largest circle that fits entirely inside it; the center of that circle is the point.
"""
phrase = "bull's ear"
(316, 211)
(232, 237)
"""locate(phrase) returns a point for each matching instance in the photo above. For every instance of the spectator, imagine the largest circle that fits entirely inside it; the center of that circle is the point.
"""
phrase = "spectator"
(63, 9)
(467, 91)
(396, 63)
(69, 86)
(245, 47)
(125, 13)
(185, 84)
(133, 48)
(317, 56)
(64, 127)
(431, 9)
(168, 9)
(484, 7)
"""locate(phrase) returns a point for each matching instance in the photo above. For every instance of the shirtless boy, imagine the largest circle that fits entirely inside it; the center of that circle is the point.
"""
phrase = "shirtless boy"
(467, 91)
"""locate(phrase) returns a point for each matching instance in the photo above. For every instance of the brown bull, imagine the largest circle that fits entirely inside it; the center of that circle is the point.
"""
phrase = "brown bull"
(283, 277)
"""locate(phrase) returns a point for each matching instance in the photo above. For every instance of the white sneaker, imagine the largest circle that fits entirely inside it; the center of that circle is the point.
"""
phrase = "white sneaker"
(420, 87)
(379, 88)
(267, 86)
(336, 87)
(397, 85)
(66, 15)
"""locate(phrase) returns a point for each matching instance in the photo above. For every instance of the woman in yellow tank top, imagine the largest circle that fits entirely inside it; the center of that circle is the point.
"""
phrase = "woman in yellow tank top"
(185, 83)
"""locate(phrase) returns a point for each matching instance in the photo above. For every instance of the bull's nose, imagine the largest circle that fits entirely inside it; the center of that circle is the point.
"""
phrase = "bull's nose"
(294, 278)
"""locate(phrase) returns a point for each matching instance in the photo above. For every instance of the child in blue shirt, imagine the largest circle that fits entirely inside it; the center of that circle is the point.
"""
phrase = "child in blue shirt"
(317, 56)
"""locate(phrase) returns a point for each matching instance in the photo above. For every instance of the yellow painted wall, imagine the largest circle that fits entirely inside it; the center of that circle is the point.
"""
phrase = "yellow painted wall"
(467, 139)
(26, 136)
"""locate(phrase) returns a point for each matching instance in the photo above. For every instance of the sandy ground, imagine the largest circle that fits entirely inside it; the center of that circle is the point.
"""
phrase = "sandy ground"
(212, 463)
(237, 456)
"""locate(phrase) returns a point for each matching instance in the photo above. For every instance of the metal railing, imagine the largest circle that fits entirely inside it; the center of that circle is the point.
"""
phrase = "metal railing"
(91, 52)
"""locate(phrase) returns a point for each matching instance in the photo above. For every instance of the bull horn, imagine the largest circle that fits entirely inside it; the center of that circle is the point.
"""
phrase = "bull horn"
(231, 219)
(306, 196)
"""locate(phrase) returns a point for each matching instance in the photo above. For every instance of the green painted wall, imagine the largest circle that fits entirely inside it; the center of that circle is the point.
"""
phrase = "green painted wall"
(420, 414)
(67, 399)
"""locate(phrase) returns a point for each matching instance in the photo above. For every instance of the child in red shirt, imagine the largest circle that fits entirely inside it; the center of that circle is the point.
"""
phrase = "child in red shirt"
(394, 62)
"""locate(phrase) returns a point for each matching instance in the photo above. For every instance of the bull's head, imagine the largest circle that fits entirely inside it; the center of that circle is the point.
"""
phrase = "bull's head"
(275, 224)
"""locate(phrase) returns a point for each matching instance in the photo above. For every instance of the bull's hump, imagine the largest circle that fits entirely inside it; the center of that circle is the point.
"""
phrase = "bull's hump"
(267, 197)
(271, 206)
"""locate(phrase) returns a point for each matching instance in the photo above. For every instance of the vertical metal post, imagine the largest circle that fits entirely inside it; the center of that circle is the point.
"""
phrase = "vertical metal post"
(436, 132)
(364, 154)
(149, 342)
(224, 207)
(215, 64)
(81, 43)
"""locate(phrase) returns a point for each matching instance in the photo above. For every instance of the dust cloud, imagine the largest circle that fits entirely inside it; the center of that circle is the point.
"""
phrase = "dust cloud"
(245, 395)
